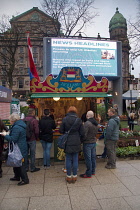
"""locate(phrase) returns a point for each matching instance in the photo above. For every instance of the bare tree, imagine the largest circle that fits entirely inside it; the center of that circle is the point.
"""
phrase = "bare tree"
(9, 41)
(73, 15)
(134, 36)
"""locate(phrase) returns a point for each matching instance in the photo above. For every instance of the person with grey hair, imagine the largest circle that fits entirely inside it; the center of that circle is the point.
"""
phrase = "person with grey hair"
(112, 135)
(18, 135)
(31, 141)
(89, 145)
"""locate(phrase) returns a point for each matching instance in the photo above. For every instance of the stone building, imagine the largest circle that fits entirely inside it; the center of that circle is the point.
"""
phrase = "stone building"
(41, 25)
(118, 31)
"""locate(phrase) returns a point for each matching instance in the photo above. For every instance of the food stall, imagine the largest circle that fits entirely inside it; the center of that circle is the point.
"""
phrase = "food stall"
(69, 88)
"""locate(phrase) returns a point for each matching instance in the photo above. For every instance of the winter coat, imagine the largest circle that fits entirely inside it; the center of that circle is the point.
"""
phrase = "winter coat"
(76, 134)
(46, 126)
(3, 127)
(112, 130)
(18, 135)
(91, 129)
(34, 126)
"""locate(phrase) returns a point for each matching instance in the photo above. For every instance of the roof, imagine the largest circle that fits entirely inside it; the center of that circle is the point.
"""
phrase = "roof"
(131, 95)
(34, 9)
(117, 21)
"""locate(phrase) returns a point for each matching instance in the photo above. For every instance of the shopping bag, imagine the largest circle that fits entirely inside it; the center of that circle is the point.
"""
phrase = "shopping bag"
(14, 156)
(61, 142)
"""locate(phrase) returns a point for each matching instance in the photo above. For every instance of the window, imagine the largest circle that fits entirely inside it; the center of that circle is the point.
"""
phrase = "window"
(4, 83)
(20, 83)
(21, 50)
(21, 60)
(35, 60)
(20, 70)
(34, 49)
(4, 51)
(4, 60)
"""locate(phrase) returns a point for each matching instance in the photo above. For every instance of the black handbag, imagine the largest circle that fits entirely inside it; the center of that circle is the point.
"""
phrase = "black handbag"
(4, 154)
(61, 142)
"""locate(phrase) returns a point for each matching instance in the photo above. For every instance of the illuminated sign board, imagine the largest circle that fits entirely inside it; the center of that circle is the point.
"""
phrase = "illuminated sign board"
(98, 58)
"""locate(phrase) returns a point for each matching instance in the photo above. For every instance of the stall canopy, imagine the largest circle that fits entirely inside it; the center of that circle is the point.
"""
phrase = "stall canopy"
(131, 95)
(69, 95)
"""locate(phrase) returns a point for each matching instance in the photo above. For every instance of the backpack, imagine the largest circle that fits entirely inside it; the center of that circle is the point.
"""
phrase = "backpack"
(29, 129)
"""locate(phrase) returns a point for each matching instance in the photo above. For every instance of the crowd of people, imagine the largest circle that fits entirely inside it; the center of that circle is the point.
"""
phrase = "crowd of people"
(81, 132)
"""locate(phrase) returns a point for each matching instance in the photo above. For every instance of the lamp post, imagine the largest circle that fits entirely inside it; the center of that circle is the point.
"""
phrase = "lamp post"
(131, 86)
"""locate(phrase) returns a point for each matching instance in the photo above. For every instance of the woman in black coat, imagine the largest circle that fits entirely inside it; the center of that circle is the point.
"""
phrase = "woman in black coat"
(73, 144)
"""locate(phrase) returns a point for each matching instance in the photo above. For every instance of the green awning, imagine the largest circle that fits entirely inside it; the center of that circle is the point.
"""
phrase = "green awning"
(69, 95)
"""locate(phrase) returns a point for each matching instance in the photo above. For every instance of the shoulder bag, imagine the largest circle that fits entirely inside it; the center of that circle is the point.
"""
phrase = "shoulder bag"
(14, 156)
(61, 142)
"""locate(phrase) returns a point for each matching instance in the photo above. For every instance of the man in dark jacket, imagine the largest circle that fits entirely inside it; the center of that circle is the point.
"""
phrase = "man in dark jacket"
(89, 145)
(112, 135)
(31, 142)
(46, 126)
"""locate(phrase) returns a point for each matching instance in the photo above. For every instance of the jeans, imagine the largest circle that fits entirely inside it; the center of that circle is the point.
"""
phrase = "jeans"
(32, 151)
(46, 152)
(111, 152)
(71, 163)
(89, 150)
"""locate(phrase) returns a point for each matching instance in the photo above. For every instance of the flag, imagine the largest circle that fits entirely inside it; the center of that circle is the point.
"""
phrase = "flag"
(32, 70)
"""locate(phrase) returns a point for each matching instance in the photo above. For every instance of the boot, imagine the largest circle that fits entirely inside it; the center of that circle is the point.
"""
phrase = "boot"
(74, 179)
(69, 179)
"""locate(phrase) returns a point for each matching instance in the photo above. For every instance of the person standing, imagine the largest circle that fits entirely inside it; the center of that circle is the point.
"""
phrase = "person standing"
(73, 144)
(131, 119)
(89, 145)
(2, 128)
(46, 126)
(112, 135)
(31, 142)
(18, 135)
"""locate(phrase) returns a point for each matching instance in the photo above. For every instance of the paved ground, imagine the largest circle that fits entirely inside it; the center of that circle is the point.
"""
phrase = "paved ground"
(115, 189)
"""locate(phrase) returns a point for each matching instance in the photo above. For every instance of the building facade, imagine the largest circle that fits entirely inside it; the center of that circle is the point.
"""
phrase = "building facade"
(40, 25)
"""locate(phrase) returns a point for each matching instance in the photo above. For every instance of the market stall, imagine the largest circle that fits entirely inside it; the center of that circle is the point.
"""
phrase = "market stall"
(69, 88)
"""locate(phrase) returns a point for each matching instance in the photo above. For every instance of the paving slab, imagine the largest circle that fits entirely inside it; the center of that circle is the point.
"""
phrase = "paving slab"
(133, 201)
(114, 204)
(28, 190)
(83, 198)
(82, 182)
(14, 204)
(55, 188)
(132, 183)
(125, 171)
(3, 191)
(110, 191)
(6, 180)
(107, 178)
(136, 165)
(36, 177)
(58, 202)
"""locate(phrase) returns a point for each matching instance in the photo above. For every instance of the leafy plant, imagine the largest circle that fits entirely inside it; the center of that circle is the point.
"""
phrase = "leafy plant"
(127, 151)
(124, 134)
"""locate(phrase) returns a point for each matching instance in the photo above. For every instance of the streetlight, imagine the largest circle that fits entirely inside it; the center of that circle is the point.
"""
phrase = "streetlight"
(131, 86)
